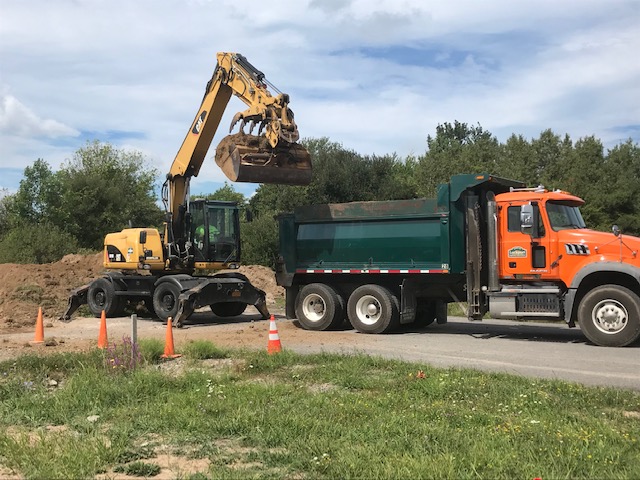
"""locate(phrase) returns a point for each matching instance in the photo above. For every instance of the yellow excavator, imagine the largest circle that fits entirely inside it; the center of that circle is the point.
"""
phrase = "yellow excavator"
(202, 235)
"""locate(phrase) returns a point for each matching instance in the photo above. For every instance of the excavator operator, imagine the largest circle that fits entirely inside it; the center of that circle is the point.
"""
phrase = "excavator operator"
(200, 232)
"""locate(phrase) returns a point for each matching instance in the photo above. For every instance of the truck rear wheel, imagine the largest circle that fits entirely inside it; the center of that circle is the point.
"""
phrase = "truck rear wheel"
(373, 309)
(610, 316)
(165, 300)
(425, 313)
(228, 309)
(319, 307)
(102, 296)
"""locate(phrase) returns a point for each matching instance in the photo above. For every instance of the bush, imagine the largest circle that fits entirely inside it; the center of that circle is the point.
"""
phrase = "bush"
(38, 243)
(260, 241)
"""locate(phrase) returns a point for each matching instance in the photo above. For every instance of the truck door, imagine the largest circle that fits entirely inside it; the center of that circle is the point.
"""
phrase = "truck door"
(522, 255)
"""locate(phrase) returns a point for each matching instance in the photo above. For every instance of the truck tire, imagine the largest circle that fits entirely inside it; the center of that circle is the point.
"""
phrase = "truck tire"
(425, 313)
(373, 309)
(165, 300)
(319, 307)
(228, 309)
(102, 296)
(609, 316)
(442, 312)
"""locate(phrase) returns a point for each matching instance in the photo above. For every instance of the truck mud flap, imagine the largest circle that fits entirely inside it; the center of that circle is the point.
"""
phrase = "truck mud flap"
(218, 290)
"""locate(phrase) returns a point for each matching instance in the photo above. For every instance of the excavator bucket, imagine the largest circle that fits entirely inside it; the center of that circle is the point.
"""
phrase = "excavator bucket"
(250, 158)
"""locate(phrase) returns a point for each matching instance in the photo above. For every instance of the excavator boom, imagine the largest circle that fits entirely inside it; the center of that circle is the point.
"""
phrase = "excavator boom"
(271, 156)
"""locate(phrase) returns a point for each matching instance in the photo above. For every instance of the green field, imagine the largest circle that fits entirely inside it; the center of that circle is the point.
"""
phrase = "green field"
(244, 414)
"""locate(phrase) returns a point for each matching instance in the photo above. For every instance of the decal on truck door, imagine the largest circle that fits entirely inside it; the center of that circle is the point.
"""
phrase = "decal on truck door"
(517, 252)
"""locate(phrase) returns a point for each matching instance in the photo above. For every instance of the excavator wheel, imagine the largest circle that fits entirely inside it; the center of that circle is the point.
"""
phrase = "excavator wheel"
(250, 158)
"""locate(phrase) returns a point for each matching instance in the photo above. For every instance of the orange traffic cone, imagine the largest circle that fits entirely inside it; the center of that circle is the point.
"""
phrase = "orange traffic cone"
(168, 344)
(274, 339)
(102, 336)
(39, 336)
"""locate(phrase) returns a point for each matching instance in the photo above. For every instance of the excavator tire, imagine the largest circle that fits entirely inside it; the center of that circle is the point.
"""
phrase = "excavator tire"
(228, 309)
(250, 158)
(102, 296)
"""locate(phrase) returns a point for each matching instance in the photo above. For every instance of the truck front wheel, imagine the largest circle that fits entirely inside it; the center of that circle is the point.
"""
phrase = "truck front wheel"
(373, 309)
(610, 316)
(319, 307)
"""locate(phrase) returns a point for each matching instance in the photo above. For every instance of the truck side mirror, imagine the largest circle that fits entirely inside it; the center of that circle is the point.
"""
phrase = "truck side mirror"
(526, 218)
(529, 219)
(143, 237)
(616, 230)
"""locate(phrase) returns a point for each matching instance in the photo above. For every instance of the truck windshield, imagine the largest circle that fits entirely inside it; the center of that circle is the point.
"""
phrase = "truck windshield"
(564, 216)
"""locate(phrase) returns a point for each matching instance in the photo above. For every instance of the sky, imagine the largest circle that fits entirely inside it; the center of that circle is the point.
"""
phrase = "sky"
(376, 76)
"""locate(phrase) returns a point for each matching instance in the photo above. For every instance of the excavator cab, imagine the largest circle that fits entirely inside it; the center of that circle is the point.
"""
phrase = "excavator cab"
(215, 234)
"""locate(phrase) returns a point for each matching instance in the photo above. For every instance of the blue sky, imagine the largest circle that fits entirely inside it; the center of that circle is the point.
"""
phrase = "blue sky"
(377, 76)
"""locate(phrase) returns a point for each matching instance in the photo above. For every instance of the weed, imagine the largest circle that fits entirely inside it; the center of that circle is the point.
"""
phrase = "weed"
(122, 358)
(139, 469)
(151, 350)
(204, 349)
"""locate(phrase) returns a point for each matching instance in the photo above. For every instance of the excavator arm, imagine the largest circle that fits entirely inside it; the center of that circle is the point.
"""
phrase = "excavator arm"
(272, 157)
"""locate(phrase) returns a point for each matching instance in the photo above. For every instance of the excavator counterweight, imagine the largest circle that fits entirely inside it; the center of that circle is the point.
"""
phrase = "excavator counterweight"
(250, 158)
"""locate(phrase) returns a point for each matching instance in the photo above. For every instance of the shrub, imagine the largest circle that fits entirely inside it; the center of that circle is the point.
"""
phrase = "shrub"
(38, 243)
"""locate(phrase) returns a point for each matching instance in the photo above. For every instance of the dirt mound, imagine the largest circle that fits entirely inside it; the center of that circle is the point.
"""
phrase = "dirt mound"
(24, 288)
(264, 278)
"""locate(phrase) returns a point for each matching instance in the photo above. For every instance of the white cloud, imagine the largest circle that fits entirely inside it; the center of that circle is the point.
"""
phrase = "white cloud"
(17, 119)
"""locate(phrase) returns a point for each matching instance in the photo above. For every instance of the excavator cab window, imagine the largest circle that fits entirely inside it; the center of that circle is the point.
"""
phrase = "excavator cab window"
(215, 228)
(224, 240)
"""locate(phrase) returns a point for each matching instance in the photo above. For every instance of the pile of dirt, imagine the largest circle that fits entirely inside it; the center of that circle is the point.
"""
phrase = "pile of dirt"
(265, 279)
(24, 288)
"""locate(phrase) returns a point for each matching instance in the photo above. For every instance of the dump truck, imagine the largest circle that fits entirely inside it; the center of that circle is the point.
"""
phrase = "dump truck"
(170, 270)
(503, 249)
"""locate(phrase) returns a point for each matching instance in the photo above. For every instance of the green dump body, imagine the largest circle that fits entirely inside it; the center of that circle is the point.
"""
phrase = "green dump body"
(420, 234)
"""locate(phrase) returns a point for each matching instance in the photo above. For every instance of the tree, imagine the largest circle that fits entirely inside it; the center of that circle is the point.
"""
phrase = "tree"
(38, 197)
(515, 160)
(616, 191)
(4, 212)
(103, 189)
(227, 193)
(260, 241)
(456, 148)
(100, 190)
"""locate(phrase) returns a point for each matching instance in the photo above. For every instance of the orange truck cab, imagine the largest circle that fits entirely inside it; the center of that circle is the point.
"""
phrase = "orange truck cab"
(543, 242)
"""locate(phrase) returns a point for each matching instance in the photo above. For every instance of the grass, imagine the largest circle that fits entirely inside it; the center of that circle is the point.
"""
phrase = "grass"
(318, 416)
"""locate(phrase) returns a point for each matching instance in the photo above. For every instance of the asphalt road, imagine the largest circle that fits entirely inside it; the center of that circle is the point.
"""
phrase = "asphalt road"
(530, 349)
